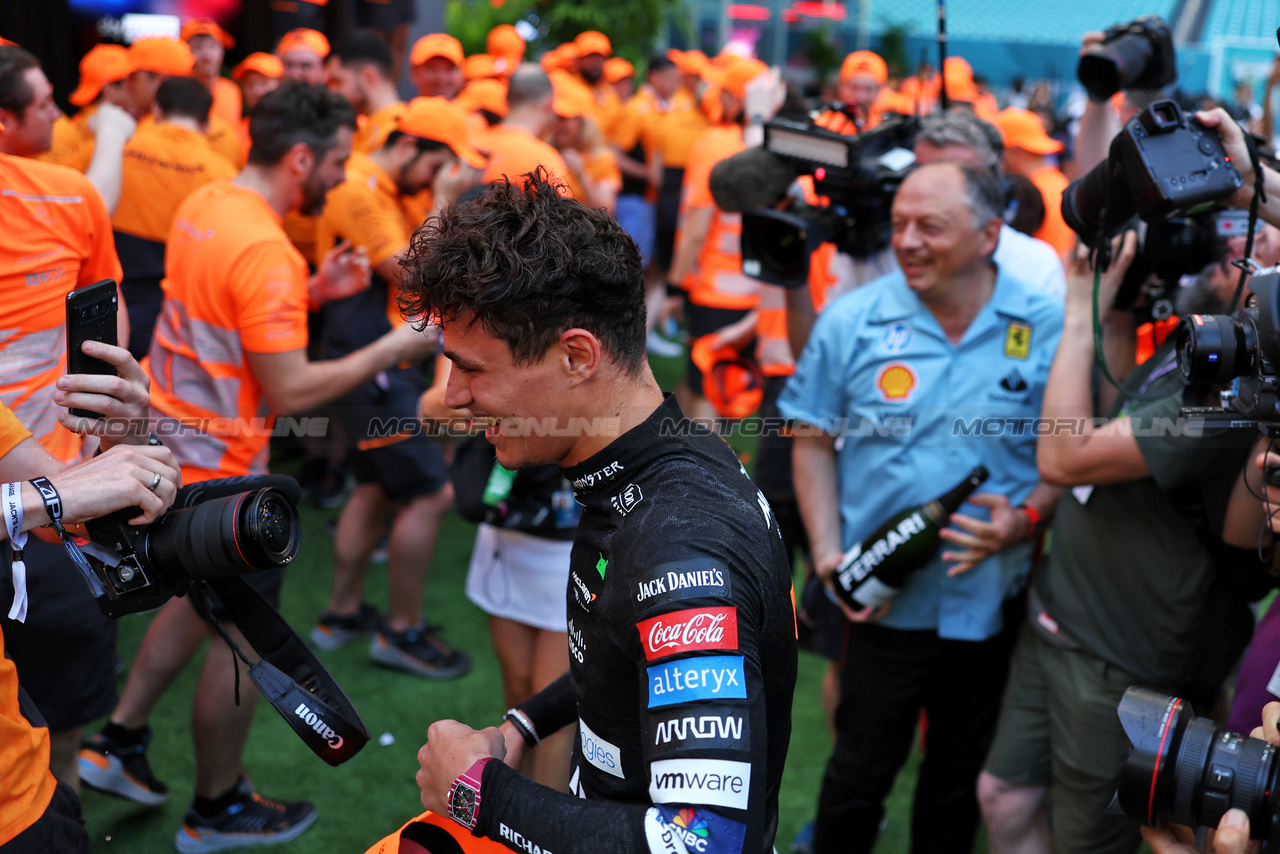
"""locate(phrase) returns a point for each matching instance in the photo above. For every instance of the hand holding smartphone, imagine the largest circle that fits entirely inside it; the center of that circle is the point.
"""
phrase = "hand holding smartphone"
(91, 316)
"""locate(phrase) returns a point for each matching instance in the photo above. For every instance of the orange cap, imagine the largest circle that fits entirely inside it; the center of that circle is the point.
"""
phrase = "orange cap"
(505, 41)
(103, 64)
(731, 381)
(479, 66)
(437, 44)
(689, 61)
(616, 68)
(739, 73)
(161, 55)
(311, 41)
(207, 27)
(572, 102)
(958, 76)
(561, 58)
(864, 63)
(266, 64)
(1023, 129)
(438, 120)
(593, 42)
(485, 94)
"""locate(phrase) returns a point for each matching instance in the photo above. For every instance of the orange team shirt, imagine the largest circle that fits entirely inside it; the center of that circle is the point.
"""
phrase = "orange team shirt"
(678, 129)
(1054, 230)
(56, 237)
(514, 151)
(301, 231)
(24, 750)
(224, 139)
(599, 167)
(607, 105)
(375, 128)
(227, 102)
(162, 165)
(718, 281)
(635, 121)
(233, 284)
(72, 141)
(368, 210)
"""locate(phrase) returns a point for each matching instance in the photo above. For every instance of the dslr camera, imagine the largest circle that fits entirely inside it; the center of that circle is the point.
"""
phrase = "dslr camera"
(859, 174)
(1136, 55)
(1188, 770)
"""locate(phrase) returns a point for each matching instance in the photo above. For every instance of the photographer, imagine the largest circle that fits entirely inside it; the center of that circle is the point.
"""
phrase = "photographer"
(1124, 595)
(42, 815)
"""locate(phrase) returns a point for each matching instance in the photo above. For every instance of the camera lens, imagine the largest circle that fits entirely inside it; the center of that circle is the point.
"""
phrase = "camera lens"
(1216, 347)
(1095, 206)
(1114, 66)
(1189, 770)
(232, 535)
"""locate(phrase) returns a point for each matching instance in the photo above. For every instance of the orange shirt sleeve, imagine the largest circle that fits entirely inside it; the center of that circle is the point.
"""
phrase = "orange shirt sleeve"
(270, 298)
(602, 168)
(11, 430)
(366, 217)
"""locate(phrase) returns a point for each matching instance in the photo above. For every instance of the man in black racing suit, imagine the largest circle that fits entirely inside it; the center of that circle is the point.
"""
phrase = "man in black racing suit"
(680, 616)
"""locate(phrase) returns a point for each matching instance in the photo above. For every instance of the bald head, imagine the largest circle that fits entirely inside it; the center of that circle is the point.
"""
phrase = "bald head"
(529, 85)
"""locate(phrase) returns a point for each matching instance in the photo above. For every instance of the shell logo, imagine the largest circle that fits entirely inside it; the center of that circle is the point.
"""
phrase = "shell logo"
(896, 381)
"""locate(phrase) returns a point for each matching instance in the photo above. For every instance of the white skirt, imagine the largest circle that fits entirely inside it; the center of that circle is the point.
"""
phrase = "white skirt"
(520, 577)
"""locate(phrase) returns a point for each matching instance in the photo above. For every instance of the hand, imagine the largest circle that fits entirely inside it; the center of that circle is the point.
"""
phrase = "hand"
(515, 744)
(123, 400)
(1232, 837)
(411, 345)
(451, 749)
(826, 570)
(343, 271)
(1271, 459)
(764, 95)
(1270, 729)
(433, 410)
(1091, 41)
(110, 120)
(1008, 525)
(452, 181)
(116, 479)
(1233, 143)
(672, 310)
(1079, 300)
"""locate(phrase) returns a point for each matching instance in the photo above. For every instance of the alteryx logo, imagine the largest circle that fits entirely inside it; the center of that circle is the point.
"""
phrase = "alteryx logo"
(714, 677)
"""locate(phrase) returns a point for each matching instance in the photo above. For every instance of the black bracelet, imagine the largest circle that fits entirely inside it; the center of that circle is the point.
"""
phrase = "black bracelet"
(524, 726)
(52, 502)
(674, 290)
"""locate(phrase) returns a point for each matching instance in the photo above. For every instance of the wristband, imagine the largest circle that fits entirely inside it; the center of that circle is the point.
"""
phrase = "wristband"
(11, 504)
(53, 504)
(523, 725)
(674, 290)
(1033, 515)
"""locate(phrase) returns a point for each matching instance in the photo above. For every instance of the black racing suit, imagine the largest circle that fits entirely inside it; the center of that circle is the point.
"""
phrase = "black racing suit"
(682, 660)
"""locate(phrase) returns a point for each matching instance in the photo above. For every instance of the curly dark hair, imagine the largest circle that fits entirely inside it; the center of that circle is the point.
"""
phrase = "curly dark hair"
(528, 263)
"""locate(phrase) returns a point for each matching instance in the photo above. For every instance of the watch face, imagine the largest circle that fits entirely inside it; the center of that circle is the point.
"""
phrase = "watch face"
(463, 805)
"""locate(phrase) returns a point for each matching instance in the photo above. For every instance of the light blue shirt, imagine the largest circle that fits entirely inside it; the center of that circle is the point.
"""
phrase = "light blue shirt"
(914, 413)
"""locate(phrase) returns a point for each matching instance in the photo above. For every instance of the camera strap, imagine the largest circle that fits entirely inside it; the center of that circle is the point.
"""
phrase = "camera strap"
(293, 681)
(1246, 265)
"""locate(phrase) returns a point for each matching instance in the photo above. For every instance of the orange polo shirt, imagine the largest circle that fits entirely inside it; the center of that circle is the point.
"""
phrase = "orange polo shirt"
(678, 129)
(718, 281)
(514, 151)
(228, 104)
(162, 165)
(56, 237)
(72, 141)
(1054, 230)
(233, 284)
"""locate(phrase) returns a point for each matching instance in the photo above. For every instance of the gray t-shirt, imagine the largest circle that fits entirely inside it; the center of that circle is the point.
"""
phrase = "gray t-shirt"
(1128, 573)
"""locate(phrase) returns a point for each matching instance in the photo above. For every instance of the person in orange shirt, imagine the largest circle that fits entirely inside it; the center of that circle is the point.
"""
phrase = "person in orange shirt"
(482, 66)
(594, 177)
(360, 70)
(621, 75)
(708, 258)
(403, 475)
(515, 146)
(164, 163)
(675, 132)
(593, 50)
(486, 100)
(40, 814)
(258, 73)
(435, 66)
(303, 53)
(229, 353)
(1026, 150)
(102, 73)
(505, 43)
(209, 44)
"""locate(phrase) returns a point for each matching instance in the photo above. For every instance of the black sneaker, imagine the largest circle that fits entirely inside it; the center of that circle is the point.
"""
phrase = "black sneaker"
(420, 651)
(123, 771)
(334, 632)
(251, 820)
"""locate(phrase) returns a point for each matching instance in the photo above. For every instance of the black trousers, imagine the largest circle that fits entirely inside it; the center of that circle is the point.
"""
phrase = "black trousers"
(59, 831)
(887, 677)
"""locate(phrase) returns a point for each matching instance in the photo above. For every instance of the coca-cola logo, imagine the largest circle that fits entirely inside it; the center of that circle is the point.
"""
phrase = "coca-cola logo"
(689, 630)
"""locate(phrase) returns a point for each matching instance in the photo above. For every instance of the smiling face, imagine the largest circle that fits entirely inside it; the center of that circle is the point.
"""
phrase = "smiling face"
(935, 239)
(518, 398)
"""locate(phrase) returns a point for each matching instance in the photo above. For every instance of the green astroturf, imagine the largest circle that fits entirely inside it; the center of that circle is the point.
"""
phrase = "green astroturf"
(373, 793)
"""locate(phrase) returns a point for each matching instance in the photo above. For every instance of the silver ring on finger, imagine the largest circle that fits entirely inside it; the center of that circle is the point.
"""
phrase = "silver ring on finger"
(155, 481)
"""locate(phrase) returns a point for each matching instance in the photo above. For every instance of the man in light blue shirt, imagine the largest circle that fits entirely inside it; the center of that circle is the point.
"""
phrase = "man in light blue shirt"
(910, 382)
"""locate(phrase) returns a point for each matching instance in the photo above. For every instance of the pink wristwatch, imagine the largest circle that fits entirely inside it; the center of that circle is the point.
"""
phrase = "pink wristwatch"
(464, 795)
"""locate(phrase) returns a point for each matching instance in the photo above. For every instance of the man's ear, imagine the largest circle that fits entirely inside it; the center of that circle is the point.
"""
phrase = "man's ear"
(300, 159)
(580, 355)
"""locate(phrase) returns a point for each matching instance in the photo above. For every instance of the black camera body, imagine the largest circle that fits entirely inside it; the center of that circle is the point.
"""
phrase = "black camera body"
(1190, 771)
(1136, 55)
(859, 175)
(1162, 164)
(141, 566)
(1240, 351)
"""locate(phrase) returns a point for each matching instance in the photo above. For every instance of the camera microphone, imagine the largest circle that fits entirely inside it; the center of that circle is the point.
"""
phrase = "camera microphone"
(752, 179)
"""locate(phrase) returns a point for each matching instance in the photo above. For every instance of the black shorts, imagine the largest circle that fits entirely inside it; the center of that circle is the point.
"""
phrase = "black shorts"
(385, 15)
(667, 217)
(703, 320)
(59, 831)
(381, 417)
(66, 650)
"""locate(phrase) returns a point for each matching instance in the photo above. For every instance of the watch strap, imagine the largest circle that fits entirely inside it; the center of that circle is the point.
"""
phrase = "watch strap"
(469, 779)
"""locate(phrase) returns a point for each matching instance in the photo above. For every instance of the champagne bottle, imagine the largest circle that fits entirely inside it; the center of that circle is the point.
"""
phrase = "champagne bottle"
(876, 569)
